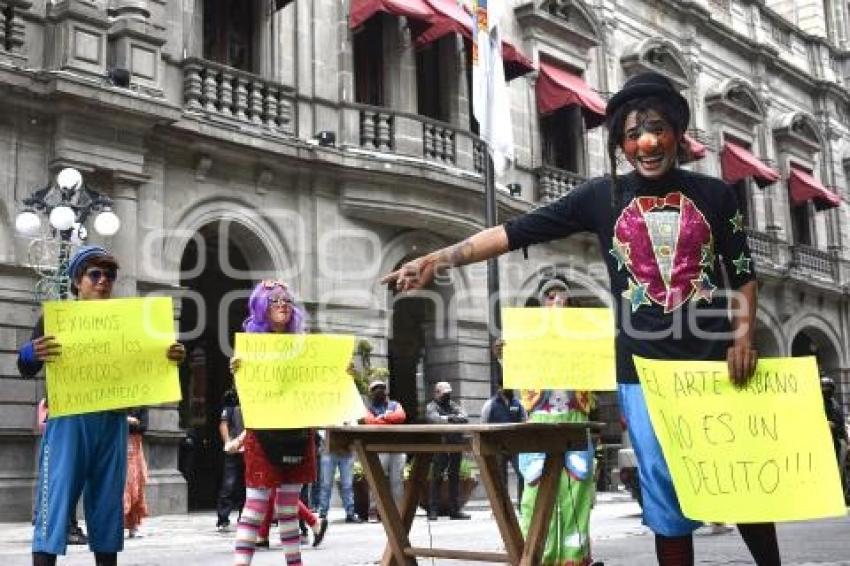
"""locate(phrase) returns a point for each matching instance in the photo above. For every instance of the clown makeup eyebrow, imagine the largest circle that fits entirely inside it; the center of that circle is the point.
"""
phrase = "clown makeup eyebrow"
(646, 124)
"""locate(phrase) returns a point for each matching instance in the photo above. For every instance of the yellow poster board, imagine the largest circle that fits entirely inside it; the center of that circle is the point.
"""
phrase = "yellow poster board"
(113, 354)
(559, 348)
(758, 453)
(296, 380)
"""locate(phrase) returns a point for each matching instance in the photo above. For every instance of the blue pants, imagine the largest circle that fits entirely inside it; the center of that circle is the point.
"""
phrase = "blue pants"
(330, 462)
(82, 454)
(661, 510)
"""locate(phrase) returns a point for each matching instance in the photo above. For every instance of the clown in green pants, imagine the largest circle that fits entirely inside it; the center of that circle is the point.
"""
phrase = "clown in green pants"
(568, 539)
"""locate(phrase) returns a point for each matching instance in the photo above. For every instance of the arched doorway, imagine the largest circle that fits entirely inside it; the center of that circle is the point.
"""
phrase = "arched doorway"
(814, 342)
(419, 346)
(216, 264)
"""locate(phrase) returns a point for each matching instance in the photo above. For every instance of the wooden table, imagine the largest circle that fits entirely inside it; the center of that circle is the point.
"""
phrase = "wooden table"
(485, 442)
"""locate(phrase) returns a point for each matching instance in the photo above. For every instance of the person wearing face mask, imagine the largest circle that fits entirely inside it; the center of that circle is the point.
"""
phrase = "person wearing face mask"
(381, 410)
(84, 453)
(442, 410)
(505, 407)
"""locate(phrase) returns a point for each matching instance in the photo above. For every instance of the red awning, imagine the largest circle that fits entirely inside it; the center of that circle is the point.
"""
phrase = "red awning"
(362, 10)
(557, 88)
(804, 188)
(737, 163)
(516, 64)
(694, 150)
(450, 17)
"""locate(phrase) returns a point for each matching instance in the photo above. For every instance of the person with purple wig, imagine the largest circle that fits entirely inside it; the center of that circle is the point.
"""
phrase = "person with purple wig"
(272, 308)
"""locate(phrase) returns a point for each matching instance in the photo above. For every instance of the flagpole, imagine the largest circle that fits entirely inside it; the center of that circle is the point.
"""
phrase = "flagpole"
(494, 311)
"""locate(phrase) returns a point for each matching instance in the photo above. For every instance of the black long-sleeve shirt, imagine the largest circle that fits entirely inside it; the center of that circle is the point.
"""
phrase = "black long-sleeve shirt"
(665, 250)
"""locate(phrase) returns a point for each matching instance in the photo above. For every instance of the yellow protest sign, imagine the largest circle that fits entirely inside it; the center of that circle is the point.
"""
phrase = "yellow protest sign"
(296, 380)
(113, 354)
(558, 348)
(759, 453)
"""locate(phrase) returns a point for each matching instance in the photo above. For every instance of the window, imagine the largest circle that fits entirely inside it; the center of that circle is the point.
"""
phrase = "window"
(429, 85)
(229, 33)
(562, 134)
(369, 63)
(802, 217)
(473, 121)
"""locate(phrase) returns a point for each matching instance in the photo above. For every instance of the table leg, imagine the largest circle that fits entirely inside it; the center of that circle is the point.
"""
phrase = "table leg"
(535, 542)
(397, 538)
(410, 500)
(500, 503)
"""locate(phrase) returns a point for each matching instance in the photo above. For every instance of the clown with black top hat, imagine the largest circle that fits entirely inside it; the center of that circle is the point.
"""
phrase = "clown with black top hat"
(666, 235)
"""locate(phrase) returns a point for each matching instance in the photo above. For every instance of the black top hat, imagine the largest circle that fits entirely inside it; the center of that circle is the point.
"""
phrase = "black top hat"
(648, 84)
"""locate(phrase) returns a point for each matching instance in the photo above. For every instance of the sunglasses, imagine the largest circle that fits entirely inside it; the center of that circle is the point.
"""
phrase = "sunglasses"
(280, 302)
(97, 274)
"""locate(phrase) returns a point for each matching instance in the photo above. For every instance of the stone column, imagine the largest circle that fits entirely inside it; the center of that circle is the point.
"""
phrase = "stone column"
(125, 198)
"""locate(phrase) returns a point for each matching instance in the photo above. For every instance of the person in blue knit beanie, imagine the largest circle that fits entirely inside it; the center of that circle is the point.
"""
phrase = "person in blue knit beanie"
(81, 453)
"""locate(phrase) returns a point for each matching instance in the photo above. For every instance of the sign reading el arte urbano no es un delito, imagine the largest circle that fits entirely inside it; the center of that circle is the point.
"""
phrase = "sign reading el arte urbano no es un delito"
(296, 380)
(762, 452)
(113, 354)
(559, 348)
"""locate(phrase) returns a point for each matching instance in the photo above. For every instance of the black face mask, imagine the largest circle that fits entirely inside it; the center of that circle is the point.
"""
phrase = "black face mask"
(445, 398)
(379, 397)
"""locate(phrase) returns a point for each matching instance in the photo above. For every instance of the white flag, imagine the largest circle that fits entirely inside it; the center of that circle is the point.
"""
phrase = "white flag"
(491, 102)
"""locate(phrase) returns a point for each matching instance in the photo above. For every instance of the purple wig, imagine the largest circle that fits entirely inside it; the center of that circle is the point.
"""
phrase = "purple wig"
(258, 306)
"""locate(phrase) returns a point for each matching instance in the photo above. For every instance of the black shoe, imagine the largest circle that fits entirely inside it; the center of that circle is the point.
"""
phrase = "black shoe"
(319, 536)
(353, 519)
(77, 536)
(262, 543)
(459, 516)
(432, 516)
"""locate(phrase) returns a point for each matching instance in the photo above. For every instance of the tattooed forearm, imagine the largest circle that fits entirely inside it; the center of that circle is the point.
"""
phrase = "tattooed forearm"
(458, 254)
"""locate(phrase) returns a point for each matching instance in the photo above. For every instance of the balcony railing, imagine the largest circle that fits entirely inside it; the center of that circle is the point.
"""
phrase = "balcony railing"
(384, 130)
(377, 130)
(231, 94)
(12, 27)
(553, 183)
(815, 262)
(478, 156)
(438, 142)
(763, 247)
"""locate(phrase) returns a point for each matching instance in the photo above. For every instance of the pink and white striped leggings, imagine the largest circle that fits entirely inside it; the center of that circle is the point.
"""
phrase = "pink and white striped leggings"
(286, 511)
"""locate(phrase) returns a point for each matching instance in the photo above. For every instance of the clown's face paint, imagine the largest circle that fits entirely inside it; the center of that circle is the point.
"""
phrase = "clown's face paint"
(650, 143)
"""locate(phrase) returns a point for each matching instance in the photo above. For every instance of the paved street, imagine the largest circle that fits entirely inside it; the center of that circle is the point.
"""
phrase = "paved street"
(618, 540)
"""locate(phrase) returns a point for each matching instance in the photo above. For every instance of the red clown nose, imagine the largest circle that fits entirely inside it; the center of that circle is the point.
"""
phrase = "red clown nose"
(647, 142)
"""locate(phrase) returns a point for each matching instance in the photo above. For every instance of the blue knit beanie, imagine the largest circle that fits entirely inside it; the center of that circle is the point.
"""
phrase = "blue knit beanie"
(82, 257)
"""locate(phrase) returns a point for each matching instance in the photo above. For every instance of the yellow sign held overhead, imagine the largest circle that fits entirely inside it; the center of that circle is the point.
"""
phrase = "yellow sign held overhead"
(758, 453)
(296, 380)
(113, 354)
(559, 348)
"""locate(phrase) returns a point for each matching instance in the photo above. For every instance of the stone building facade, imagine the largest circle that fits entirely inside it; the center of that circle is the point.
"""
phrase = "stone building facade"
(260, 139)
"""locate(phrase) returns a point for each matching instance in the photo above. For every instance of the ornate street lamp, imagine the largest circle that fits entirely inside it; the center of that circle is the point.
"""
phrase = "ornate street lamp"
(67, 204)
